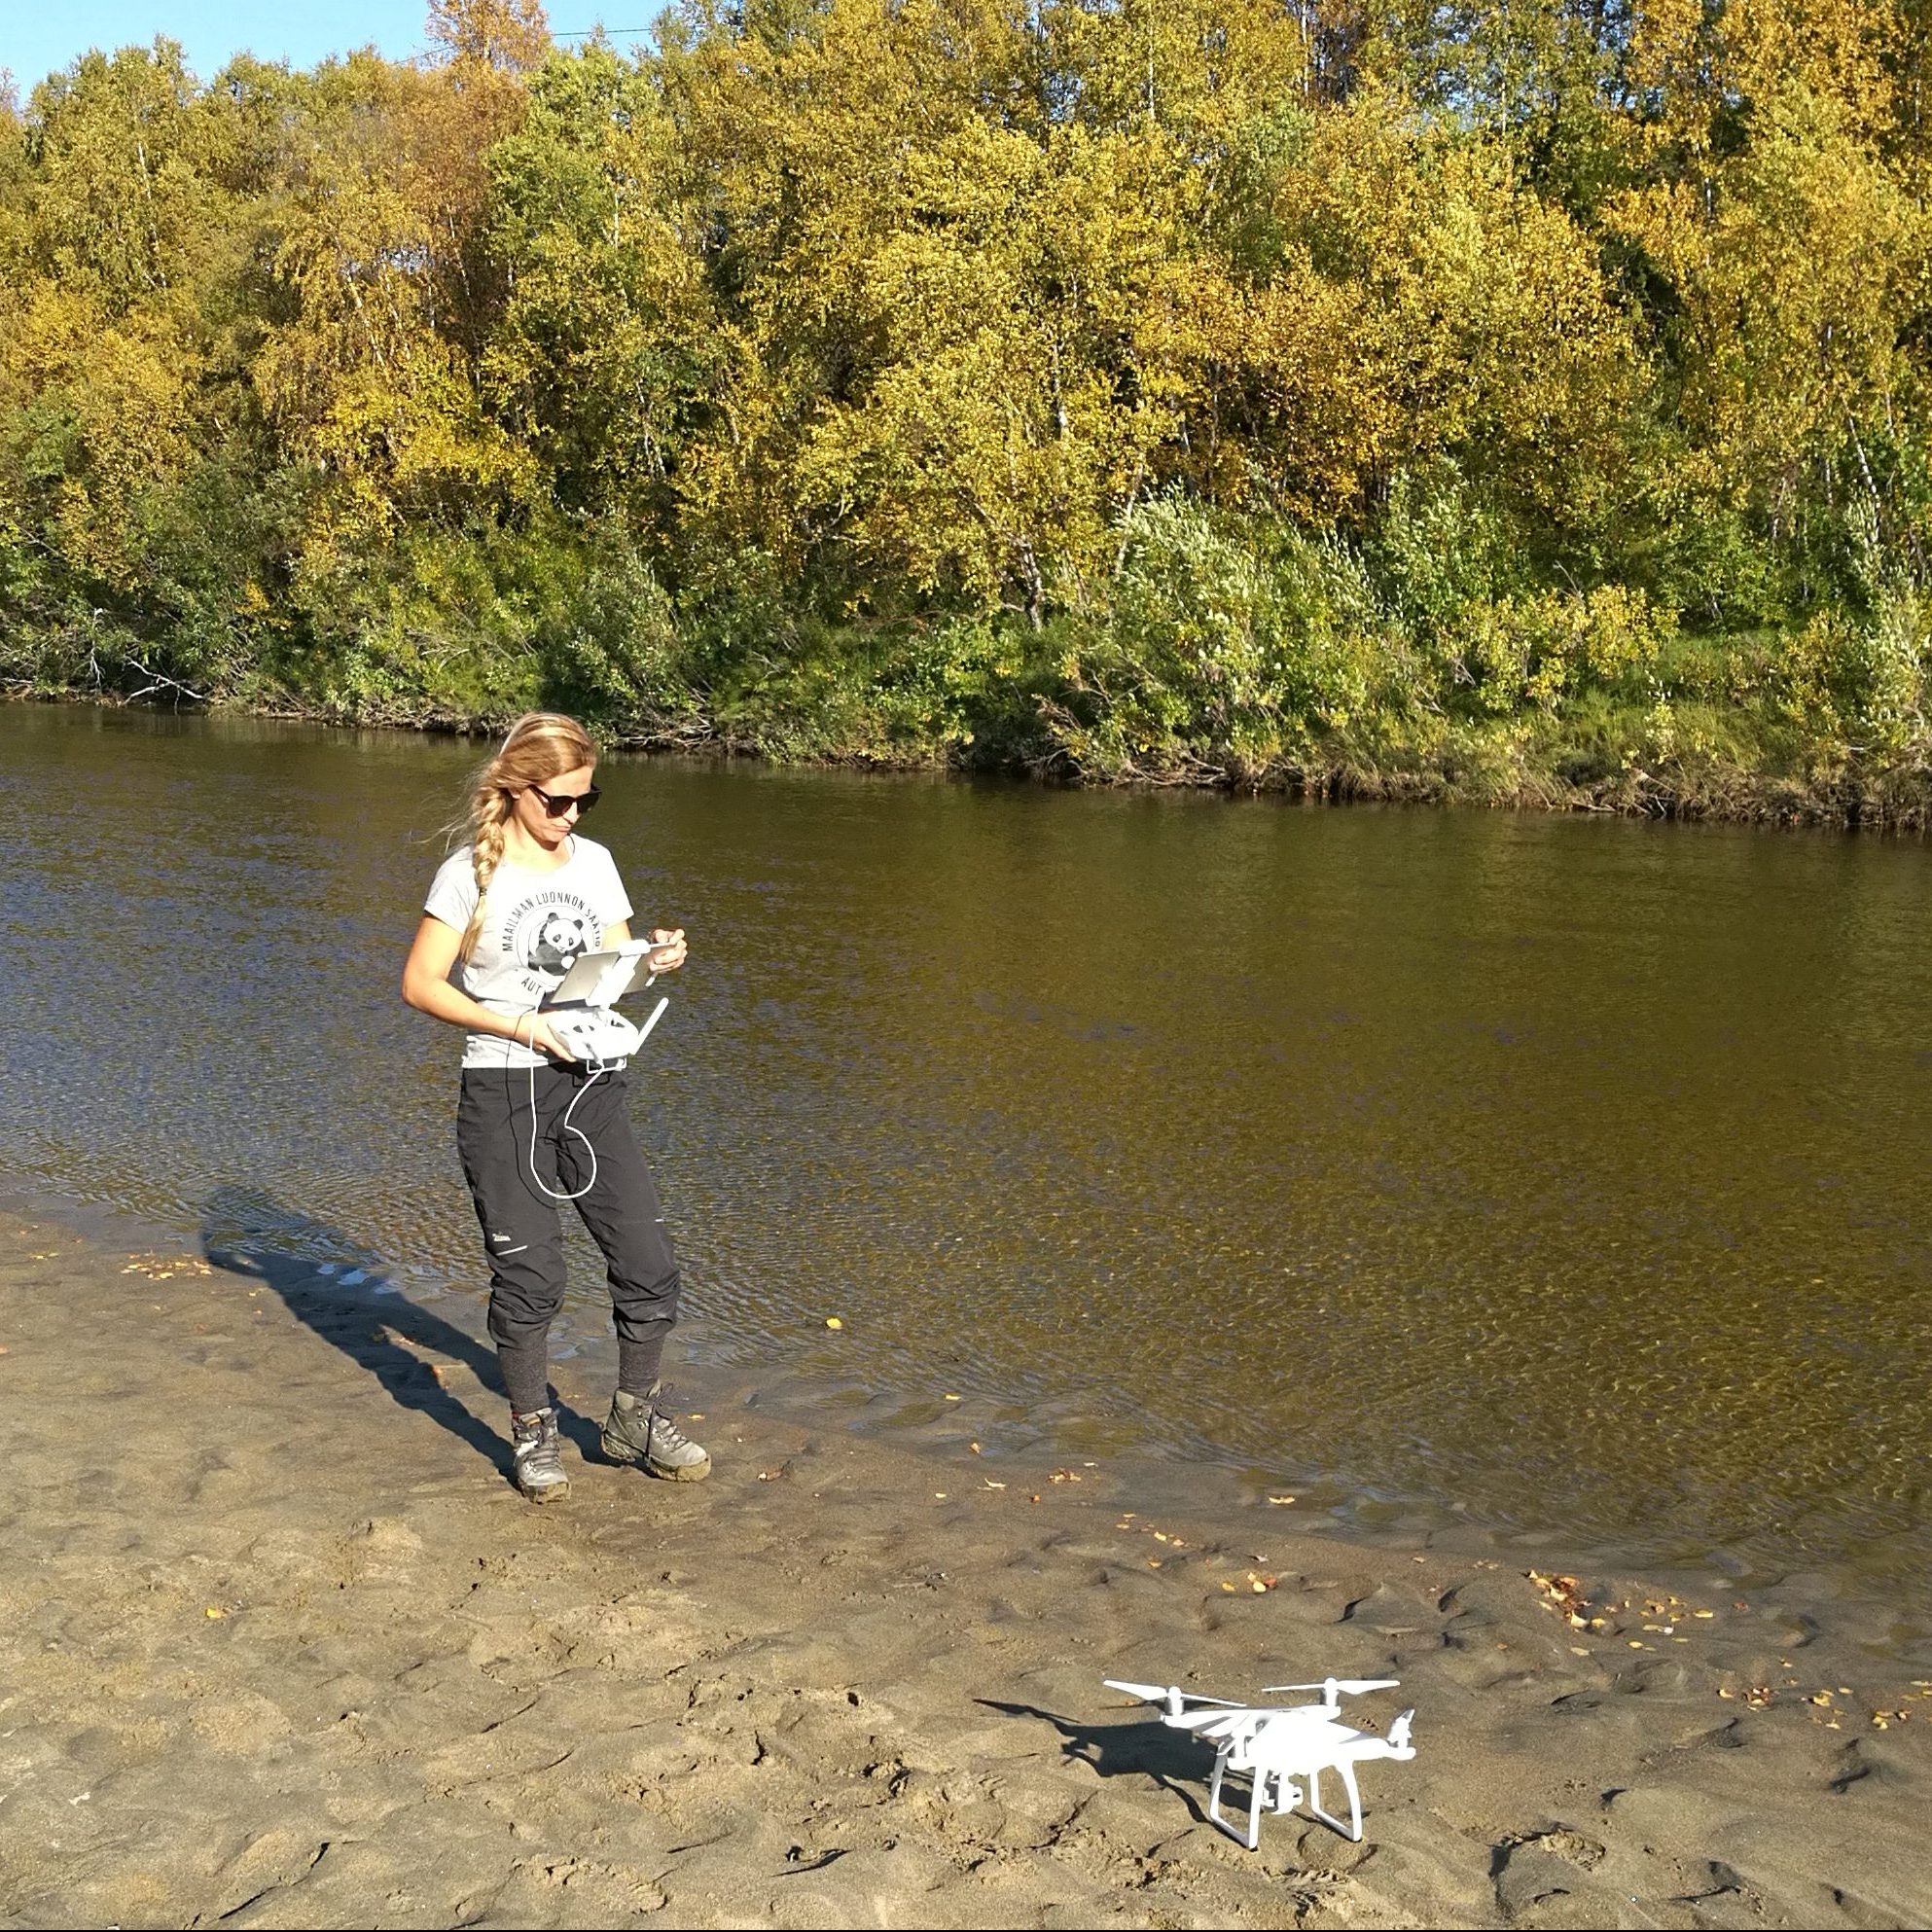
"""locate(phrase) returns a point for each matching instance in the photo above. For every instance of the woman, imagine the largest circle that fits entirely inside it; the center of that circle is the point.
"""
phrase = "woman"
(513, 909)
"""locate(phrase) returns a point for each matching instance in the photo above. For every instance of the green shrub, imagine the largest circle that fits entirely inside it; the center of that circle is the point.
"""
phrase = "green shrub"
(480, 625)
(1228, 647)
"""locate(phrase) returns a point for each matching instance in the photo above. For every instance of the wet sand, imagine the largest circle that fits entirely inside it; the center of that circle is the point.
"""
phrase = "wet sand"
(279, 1645)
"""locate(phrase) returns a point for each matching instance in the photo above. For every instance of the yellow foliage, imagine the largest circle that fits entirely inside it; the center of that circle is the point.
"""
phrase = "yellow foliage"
(1337, 357)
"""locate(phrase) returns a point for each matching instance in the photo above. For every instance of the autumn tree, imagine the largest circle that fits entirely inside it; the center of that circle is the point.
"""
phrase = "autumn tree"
(1209, 387)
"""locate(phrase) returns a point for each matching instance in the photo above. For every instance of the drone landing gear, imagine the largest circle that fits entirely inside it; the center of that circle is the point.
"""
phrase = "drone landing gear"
(1287, 1796)
(1352, 1831)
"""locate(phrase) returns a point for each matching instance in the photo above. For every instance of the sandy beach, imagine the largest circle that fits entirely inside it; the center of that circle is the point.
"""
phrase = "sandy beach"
(279, 1645)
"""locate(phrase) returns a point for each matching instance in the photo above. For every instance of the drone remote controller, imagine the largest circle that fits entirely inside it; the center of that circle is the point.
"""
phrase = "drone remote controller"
(600, 1039)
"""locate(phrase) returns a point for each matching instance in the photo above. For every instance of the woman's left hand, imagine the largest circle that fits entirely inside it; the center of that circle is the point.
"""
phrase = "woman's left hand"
(668, 948)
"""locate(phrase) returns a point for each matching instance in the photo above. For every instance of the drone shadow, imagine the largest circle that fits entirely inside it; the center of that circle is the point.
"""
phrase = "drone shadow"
(245, 1230)
(1142, 1745)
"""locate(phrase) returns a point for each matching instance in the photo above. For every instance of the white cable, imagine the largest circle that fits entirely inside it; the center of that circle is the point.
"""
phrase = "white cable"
(565, 1123)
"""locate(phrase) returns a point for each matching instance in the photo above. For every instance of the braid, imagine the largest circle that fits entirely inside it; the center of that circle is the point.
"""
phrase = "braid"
(489, 816)
(540, 745)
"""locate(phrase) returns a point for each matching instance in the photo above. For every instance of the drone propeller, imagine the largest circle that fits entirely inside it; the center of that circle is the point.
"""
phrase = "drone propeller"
(1349, 1687)
(1160, 1693)
(1234, 1716)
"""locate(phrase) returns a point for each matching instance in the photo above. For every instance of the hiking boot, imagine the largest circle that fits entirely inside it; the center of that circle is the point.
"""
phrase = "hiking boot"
(537, 1465)
(639, 1431)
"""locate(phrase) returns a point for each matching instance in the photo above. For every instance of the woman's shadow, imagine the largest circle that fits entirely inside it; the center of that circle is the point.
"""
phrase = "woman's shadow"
(342, 1290)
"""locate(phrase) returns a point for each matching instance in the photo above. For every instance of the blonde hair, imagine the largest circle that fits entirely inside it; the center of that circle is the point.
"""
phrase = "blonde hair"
(541, 745)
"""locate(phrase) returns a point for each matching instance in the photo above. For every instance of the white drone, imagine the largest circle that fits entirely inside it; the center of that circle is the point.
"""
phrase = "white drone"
(1283, 1741)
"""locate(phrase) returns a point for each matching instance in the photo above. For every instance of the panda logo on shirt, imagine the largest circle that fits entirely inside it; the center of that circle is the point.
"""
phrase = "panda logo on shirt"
(547, 933)
(559, 939)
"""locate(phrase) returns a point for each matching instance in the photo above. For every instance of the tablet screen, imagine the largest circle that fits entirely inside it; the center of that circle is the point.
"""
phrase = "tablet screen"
(602, 979)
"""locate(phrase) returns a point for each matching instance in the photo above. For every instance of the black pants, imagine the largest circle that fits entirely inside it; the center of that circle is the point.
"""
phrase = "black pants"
(525, 1238)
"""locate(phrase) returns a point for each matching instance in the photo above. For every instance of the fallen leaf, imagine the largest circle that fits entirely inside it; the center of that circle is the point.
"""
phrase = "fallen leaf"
(951, 1398)
(164, 1268)
(832, 1321)
(211, 1611)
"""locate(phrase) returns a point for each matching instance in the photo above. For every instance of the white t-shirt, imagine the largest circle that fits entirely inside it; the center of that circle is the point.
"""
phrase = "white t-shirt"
(535, 924)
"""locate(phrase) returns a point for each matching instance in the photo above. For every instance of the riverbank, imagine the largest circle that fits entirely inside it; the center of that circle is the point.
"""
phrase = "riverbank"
(1696, 761)
(279, 1645)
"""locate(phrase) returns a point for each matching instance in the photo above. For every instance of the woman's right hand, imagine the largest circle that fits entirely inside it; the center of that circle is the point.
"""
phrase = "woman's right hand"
(534, 1030)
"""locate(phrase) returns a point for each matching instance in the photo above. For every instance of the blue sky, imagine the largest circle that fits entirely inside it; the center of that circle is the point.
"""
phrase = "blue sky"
(37, 37)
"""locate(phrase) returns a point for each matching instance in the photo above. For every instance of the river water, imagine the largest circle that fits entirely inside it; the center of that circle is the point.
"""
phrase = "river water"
(1560, 1175)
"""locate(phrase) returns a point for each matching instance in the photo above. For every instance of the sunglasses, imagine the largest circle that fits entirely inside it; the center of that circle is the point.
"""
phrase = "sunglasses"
(557, 804)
